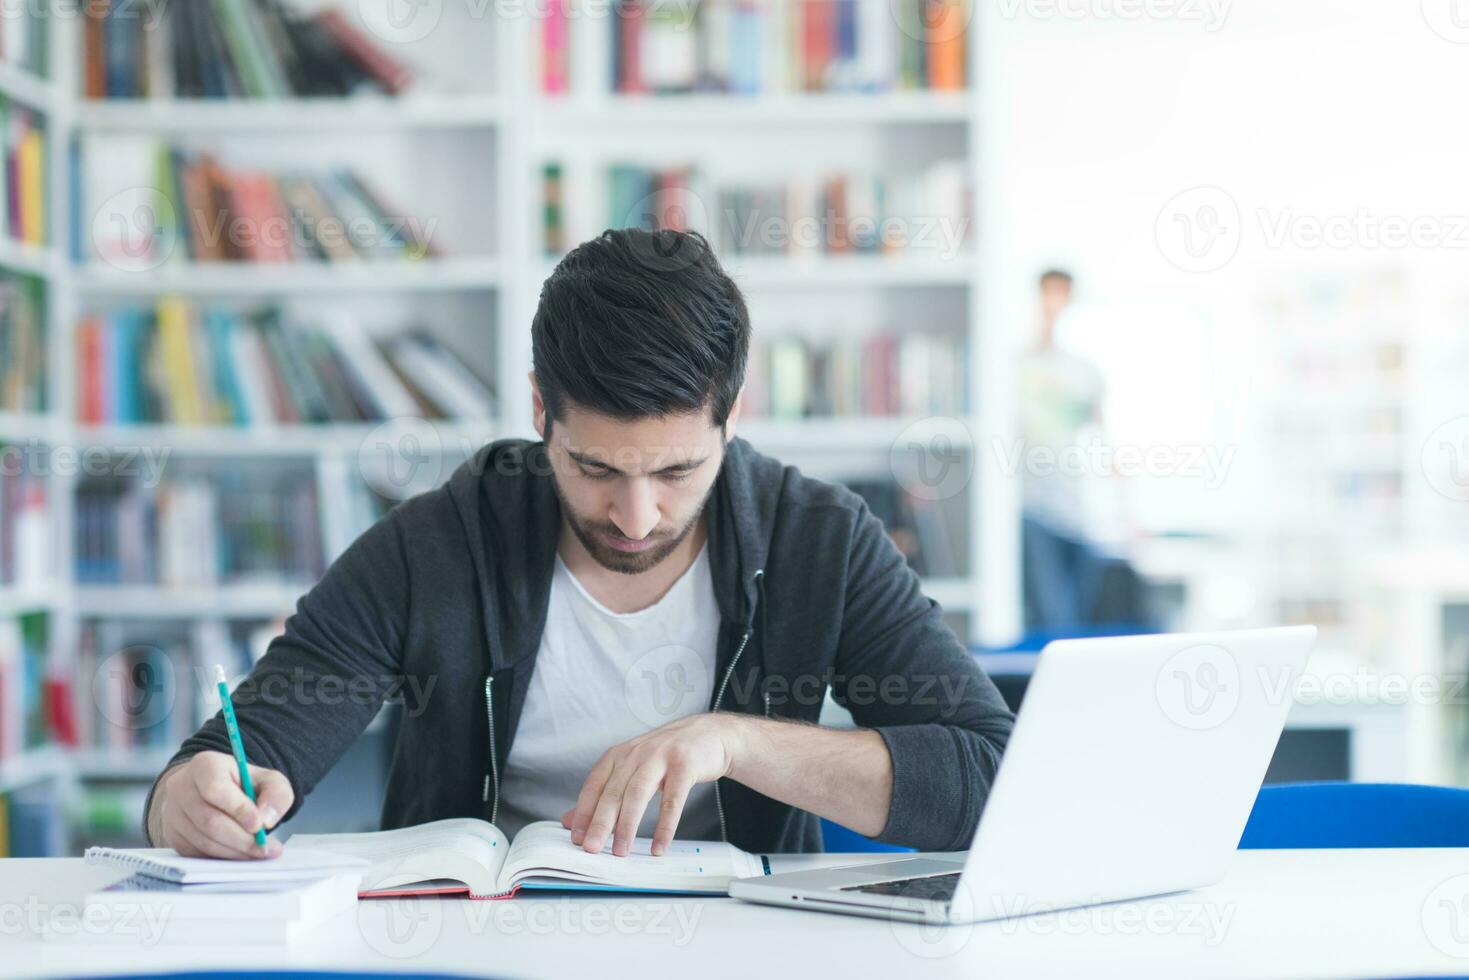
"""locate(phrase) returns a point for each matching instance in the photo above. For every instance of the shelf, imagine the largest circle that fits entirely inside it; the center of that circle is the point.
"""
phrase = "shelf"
(217, 116)
(120, 764)
(25, 87)
(822, 271)
(575, 115)
(32, 766)
(819, 271)
(159, 602)
(32, 260)
(16, 426)
(347, 438)
(269, 279)
(956, 594)
(860, 432)
(15, 601)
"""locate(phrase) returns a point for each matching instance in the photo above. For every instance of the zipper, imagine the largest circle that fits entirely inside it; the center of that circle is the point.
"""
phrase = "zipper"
(719, 696)
(494, 773)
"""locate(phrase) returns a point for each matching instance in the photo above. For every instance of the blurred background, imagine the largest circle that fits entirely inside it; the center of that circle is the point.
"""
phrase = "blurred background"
(1122, 317)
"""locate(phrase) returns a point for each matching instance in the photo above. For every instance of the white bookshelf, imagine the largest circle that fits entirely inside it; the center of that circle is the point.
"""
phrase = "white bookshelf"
(486, 141)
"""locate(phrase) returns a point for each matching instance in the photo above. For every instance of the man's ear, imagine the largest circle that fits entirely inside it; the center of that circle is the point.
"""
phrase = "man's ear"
(537, 407)
(731, 423)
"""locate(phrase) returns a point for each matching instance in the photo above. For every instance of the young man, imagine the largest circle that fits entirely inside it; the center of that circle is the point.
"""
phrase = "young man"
(638, 606)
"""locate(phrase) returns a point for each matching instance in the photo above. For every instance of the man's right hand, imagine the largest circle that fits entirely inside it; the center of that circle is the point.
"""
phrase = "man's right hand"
(200, 810)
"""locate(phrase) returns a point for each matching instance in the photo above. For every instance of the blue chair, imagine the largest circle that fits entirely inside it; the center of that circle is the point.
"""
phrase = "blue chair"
(1310, 815)
(838, 839)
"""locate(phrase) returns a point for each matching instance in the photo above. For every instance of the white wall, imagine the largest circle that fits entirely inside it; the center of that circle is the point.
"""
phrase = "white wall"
(1299, 110)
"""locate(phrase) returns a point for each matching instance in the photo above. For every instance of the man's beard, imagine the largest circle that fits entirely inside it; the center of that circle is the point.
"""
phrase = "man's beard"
(624, 562)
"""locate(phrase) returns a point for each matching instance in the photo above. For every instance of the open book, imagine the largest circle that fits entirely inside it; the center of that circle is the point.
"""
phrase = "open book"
(468, 855)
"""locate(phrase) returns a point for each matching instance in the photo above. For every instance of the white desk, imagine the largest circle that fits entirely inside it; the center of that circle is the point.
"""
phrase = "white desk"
(1279, 914)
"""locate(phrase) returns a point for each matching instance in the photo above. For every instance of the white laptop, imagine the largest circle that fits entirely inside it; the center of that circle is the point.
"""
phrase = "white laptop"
(1131, 772)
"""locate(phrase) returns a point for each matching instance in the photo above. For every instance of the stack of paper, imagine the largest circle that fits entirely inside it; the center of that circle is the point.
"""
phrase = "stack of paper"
(175, 899)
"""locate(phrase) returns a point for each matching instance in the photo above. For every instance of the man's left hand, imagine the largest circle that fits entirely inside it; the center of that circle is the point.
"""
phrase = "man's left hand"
(670, 760)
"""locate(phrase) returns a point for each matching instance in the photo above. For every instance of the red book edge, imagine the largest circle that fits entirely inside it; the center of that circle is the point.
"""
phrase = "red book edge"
(428, 892)
(393, 75)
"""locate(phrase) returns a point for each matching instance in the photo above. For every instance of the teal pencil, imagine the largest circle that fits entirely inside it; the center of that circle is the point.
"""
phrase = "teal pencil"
(236, 744)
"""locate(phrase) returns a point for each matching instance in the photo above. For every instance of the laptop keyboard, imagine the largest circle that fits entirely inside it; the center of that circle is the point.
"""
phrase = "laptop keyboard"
(934, 888)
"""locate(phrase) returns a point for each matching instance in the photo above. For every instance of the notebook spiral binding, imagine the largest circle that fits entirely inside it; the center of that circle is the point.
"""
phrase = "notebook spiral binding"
(117, 858)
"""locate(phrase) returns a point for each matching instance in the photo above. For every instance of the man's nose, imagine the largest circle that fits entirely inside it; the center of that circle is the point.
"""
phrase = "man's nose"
(634, 510)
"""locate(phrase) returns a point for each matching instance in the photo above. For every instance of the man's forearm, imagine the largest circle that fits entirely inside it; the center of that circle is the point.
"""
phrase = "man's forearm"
(843, 775)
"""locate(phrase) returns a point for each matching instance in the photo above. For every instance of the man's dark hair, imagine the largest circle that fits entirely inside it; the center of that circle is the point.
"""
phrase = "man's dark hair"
(640, 323)
(1061, 274)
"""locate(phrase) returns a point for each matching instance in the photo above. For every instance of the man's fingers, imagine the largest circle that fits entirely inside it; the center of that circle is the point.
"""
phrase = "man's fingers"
(605, 813)
(273, 795)
(635, 800)
(566, 818)
(216, 834)
(586, 800)
(676, 786)
(225, 794)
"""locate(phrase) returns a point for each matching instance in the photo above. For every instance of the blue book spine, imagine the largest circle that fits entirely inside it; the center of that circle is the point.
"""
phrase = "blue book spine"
(220, 326)
(745, 29)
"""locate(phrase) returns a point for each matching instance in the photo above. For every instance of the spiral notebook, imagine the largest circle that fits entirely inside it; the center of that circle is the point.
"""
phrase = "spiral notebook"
(169, 865)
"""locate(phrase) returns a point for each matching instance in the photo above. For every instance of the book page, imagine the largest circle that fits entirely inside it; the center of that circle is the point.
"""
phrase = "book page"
(544, 849)
(463, 849)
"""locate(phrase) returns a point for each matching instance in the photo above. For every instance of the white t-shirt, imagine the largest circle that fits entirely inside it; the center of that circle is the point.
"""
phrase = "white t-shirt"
(602, 678)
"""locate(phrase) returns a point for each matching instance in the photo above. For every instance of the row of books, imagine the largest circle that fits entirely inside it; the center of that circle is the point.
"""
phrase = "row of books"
(886, 374)
(25, 523)
(151, 683)
(23, 204)
(181, 363)
(927, 532)
(25, 37)
(22, 345)
(230, 49)
(751, 47)
(225, 528)
(145, 203)
(924, 211)
(31, 824)
(32, 707)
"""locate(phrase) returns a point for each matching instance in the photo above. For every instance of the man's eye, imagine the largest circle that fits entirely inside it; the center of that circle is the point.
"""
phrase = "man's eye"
(595, 474)
(678, 477)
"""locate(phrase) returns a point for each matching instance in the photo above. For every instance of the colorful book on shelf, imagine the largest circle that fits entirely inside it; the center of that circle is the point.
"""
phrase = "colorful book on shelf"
(759, 46)
(221, 49)
(920, 212)
(200, 532)
(181, 364)
(912, 374)
(24, 205)
(23, 385)
(211, 212)
(25, 715)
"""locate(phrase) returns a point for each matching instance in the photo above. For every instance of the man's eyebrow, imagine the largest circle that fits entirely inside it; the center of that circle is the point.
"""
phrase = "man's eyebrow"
(585, 460)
